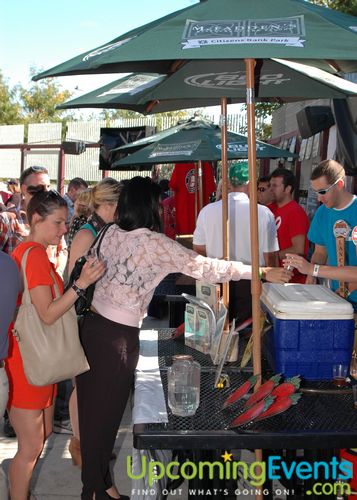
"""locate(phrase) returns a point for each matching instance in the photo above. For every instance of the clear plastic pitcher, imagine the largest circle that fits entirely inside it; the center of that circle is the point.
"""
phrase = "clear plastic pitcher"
(184, 378)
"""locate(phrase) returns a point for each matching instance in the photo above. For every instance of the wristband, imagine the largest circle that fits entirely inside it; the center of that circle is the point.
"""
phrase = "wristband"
(260, 274)
(315, 272)
(79, 291)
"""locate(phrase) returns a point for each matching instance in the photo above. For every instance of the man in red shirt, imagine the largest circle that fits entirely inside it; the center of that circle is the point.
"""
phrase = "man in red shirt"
(292, 223)
(183, 183)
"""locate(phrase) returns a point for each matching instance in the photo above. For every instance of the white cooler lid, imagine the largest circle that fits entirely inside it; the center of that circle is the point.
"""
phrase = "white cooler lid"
(295, 301)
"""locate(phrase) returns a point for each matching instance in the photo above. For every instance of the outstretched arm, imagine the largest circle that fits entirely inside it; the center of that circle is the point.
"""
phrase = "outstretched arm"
(343, 273)
(173, 257)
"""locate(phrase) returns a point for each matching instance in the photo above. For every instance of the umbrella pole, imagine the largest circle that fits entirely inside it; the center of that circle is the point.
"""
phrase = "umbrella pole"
(196, 192)
(254, 239)
(225, 232)
(200, 185)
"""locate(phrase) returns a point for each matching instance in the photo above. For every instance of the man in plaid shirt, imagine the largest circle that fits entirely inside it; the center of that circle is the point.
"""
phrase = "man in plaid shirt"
(12, 231)
(13, 227)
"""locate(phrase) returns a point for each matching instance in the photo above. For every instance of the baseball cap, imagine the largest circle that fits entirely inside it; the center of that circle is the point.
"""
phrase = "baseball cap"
(238, 173)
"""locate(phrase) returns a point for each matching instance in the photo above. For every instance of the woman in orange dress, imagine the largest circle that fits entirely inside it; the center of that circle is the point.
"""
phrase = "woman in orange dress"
(31, 407)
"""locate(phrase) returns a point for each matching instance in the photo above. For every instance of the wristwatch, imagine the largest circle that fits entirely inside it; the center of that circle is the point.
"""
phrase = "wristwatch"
(315, 272)
(79, 291)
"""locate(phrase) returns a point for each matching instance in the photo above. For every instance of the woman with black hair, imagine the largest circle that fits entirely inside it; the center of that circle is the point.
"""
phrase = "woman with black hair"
(138, 257)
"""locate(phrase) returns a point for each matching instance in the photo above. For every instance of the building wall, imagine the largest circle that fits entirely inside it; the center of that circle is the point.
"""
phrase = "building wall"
(284, 124)
(312, 150)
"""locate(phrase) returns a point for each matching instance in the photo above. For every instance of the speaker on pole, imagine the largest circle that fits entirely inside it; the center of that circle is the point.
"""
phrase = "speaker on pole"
(313, 119)
(73, 147)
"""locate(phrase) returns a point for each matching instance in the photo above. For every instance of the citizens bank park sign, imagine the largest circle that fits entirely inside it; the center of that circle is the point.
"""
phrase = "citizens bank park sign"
(282, 31)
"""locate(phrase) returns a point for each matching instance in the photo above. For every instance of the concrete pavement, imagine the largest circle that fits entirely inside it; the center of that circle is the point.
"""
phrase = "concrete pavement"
(55, 477)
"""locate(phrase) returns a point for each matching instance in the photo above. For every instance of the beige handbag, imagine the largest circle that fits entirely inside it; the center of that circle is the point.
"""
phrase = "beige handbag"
(50, 353)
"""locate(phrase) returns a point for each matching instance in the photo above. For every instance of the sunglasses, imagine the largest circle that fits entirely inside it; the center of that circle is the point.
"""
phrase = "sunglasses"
(326, 190)
(35, 189)
(41, 188)
(36, 170)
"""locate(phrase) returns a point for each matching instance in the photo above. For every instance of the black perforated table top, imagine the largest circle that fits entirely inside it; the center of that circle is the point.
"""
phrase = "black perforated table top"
(323, 418)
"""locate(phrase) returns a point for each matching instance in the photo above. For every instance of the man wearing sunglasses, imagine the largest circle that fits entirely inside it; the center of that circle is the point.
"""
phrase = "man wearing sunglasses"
(338, 209)
(265, 196)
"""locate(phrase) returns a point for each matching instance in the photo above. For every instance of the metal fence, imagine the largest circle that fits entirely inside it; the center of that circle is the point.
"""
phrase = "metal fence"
(84, 165)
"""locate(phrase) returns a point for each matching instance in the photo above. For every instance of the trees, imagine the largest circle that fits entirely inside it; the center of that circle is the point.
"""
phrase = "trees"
(10, 109)
(40, 100)
(265, 110)
(34, 104)
(346, 6)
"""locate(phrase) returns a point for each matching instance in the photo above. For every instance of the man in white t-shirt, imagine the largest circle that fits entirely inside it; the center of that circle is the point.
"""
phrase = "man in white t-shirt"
(207, 238)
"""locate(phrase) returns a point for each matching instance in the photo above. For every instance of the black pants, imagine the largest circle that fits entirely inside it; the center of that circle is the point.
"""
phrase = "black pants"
(64, 391)
(240, 300)
(112, 351)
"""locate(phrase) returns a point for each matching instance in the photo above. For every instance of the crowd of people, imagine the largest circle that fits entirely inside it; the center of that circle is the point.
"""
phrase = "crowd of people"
(134, 257)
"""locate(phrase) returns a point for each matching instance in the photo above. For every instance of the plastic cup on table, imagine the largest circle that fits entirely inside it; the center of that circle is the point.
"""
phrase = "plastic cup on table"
(339, 373)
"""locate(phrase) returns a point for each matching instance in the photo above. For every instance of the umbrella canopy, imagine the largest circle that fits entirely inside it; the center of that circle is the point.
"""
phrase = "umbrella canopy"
(203, 83)
(259, 29)
(192, 141)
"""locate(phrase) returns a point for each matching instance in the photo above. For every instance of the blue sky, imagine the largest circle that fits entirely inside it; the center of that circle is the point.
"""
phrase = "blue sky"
(45, 33)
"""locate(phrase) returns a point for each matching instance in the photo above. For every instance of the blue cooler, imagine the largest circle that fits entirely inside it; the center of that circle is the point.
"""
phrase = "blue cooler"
(313, 329)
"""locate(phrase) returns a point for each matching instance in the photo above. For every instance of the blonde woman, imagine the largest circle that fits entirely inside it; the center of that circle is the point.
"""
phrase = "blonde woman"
(103, 202)
(104, 198)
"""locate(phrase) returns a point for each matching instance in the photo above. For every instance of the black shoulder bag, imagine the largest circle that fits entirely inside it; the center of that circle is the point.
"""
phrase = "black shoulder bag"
(83, 303)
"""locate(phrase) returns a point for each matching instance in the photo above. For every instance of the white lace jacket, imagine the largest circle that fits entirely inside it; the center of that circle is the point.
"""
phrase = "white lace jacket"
(136, 263)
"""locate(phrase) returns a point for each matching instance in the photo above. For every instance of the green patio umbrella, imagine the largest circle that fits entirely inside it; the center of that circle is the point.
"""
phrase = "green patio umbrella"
(192, 141)
(227, 29)
(203, 83)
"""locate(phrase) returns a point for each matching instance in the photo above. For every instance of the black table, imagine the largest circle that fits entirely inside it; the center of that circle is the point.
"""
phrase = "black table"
(320, 421)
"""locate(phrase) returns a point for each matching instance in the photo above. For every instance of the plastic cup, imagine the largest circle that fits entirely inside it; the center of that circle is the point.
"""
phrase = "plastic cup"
(339, 374)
